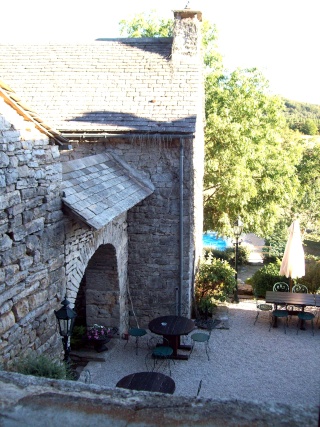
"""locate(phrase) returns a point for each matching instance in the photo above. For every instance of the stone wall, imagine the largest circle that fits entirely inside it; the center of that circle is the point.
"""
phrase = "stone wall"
(31, 401)
(153, 224)
(82, 249)
(44, 253)
(31, 237)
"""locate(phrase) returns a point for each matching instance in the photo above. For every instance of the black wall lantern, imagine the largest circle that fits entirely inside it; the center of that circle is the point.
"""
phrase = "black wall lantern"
(65, 318)
(237, 230)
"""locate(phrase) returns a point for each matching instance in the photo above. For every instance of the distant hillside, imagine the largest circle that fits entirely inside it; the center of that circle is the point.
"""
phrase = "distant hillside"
(302, 116)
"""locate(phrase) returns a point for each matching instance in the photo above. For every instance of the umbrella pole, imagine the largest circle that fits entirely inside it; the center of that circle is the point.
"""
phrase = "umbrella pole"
(290, 284)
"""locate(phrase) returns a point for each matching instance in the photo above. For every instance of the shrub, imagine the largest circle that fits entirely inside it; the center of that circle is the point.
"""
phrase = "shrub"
(42, 366)
(275, 245)
(228, 254)
(264, 279)
(243, 255)
(311, 278)
(215, 253)
(215, 280)
(77, 337)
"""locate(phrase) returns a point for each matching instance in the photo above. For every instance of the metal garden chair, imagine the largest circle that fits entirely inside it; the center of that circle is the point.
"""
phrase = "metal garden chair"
(160, 354)
(281, 287)
(137, 333)
(305, 316)
(262, 307)
(202, 337)
(301, 289)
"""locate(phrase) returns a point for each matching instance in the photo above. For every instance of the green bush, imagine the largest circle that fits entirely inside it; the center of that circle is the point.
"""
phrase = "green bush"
(243, 255)
(275, 244)
(215, 281)
(77, 337)
(42, 366)
(228, 254)
(264, 279)
(311, 278)
(208, 251)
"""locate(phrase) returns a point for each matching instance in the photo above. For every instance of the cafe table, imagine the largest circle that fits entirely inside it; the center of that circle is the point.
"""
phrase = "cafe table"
(292, 298)
(148, 381)
(172, 328)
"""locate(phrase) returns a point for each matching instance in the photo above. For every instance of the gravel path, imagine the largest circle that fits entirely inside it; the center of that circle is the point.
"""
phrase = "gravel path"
(247, 362)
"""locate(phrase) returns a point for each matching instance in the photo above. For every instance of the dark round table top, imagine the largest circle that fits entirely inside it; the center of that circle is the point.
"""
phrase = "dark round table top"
(171, 325)
(148, 381)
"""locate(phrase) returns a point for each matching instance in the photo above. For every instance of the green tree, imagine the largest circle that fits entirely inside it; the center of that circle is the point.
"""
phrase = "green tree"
(307, 204)
(150, 25)
(309, 127)
(250, 153)
(146, 25)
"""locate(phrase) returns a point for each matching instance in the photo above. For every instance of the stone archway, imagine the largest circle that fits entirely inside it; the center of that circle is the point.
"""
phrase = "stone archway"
(102, 291)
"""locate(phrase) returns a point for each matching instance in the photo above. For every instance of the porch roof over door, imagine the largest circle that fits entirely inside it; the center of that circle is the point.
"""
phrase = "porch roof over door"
(99, 188)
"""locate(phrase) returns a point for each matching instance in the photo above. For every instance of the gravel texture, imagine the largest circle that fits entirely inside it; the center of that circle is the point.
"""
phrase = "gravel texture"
(247, 362)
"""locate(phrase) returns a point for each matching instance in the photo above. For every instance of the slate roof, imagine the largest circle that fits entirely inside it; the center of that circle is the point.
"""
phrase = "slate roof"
(99, 188)
(110, 85)
(11, 98)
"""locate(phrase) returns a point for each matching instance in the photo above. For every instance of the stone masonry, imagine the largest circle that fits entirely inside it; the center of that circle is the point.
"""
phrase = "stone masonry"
(31, 238)
(134, 267)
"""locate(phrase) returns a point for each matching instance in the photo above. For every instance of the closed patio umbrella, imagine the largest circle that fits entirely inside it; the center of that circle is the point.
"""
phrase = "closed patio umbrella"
(293, 264)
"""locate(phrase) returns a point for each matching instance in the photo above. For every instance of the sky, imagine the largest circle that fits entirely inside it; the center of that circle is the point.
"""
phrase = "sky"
(279, 37)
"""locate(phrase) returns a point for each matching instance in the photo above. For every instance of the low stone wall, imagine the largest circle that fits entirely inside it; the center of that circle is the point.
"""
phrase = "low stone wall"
(31, 401)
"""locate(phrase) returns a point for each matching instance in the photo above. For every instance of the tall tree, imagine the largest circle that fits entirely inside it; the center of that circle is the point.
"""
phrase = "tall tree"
(146, 25)
(250, 154)
(307, 205)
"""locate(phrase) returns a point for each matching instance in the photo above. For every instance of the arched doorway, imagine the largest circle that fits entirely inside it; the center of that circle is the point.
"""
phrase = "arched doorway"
(98, 296)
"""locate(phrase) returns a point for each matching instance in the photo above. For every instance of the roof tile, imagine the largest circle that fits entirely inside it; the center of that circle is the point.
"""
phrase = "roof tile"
(99, 201)
(110, 85)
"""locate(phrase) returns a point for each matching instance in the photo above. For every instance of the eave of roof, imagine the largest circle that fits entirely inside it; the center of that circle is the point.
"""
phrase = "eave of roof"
(12, 99)
(99, 188)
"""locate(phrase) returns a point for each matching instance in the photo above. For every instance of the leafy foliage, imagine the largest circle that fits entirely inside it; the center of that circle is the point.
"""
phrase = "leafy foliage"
(146, 25)
(302, 116)
(42, 366)
(250, 154)
(228, 254)
(307, 202)
(98, 332)
(215, 280)
(264, 279)
(252, 157)
(275, 244)
(311, 277)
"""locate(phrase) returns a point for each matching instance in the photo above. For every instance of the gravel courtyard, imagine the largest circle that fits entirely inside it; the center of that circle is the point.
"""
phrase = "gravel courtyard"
(247, 362)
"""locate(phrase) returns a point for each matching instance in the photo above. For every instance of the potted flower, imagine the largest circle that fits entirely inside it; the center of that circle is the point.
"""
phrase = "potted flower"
(99, 335)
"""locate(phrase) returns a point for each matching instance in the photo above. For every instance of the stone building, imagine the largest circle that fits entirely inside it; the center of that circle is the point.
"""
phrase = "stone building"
(101, 198)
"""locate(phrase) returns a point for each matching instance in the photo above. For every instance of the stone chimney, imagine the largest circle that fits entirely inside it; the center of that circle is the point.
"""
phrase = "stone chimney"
(187, 35)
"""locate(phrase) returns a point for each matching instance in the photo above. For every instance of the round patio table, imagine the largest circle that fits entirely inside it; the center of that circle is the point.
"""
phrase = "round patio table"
(171, 328)
(148, 381)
